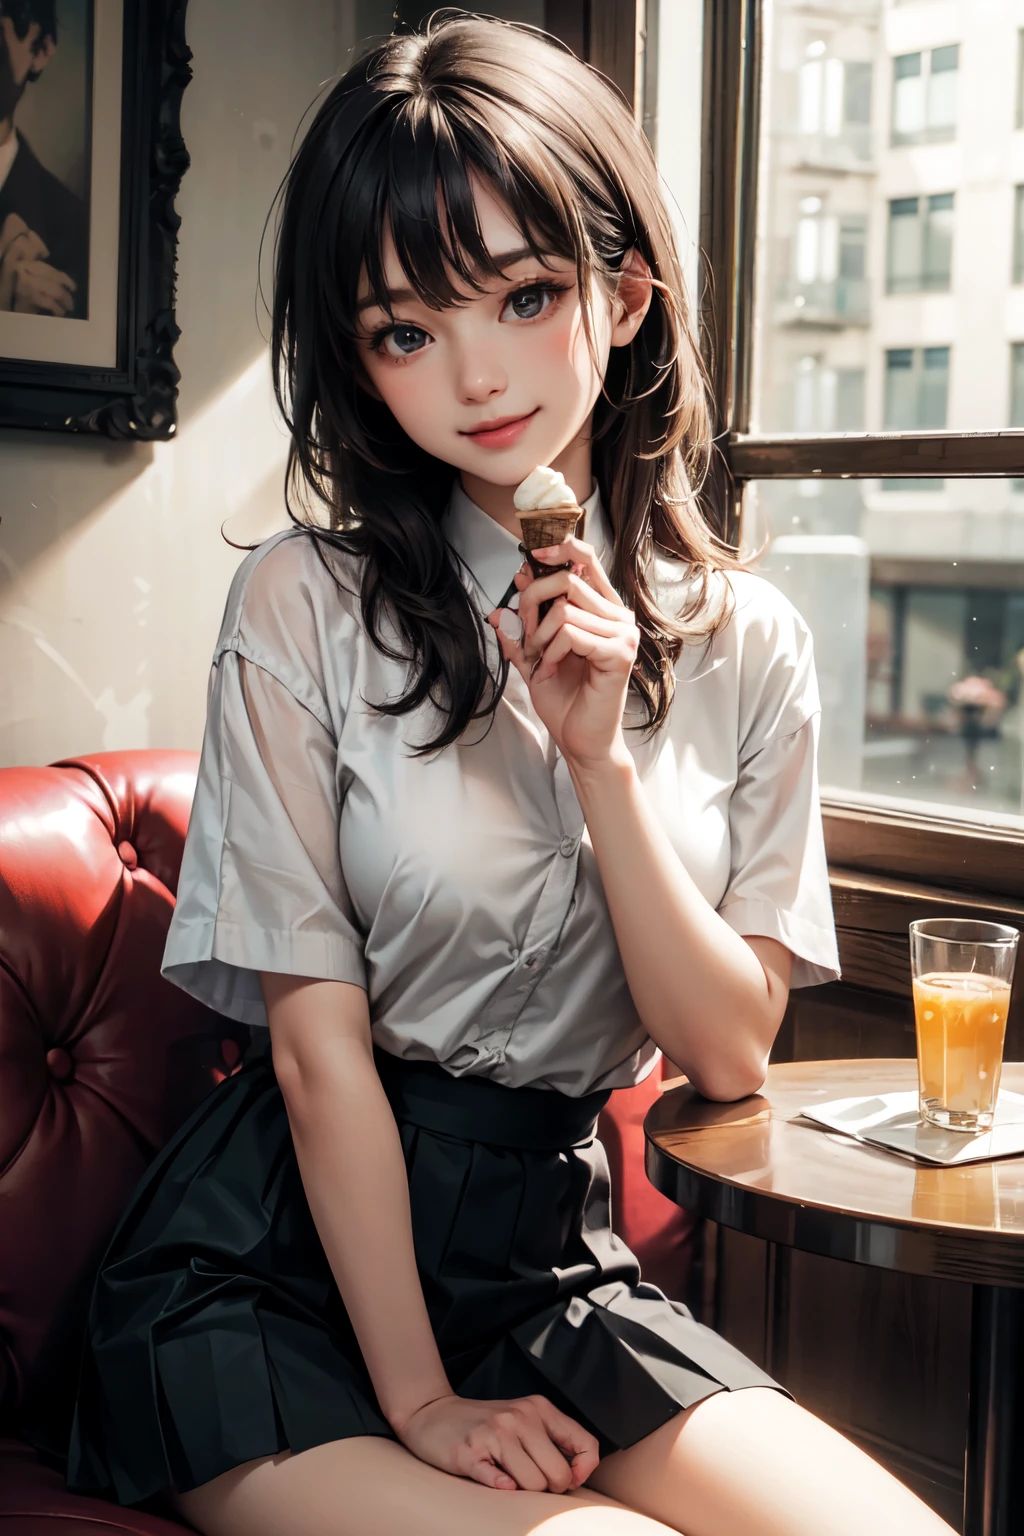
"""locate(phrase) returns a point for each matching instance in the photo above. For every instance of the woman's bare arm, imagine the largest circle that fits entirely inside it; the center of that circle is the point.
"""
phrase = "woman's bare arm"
(711, 999)
(353, 1172)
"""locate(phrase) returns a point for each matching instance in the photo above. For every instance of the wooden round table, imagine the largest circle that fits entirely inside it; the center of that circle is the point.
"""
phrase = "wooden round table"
(756, 1167)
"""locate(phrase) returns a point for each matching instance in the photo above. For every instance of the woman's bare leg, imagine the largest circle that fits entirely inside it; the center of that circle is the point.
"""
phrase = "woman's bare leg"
(752, 1463)
(373, 1487)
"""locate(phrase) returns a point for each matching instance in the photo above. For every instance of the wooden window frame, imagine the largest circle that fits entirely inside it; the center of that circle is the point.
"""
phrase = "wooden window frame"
(608, 34)
(868, 846)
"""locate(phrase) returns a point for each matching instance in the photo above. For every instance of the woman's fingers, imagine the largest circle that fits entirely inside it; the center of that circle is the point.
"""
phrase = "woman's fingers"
(567, 584)
(555, 1466)
(616, 654)
(510, 639)
(608, 647)
(582, 555)
(507, 1450)
(575, 1442)
(491, 1475)
(562, 612)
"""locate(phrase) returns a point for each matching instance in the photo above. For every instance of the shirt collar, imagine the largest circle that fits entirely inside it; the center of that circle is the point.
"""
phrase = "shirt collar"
(7, 154)
(492, 553)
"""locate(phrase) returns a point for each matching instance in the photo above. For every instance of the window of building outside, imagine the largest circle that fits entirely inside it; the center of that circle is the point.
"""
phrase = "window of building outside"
(1018, 234)
(920, 253)
(916, 387)
(924, 95)
(1017, 384)
(887, 296)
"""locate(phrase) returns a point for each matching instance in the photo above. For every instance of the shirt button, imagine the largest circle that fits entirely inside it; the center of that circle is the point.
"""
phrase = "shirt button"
(567, 847)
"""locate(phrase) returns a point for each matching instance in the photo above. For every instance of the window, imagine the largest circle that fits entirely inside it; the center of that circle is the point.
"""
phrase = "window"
(920, 244)
(924, 92)
(834, 105)
(1018, 234)
(827, 284)
(827, 399)
(872, 453)
(916, 388)
(1017, 384)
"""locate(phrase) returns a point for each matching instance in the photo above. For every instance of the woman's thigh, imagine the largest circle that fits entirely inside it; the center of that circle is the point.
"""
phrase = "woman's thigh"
(752, 1463)
(373, 1487)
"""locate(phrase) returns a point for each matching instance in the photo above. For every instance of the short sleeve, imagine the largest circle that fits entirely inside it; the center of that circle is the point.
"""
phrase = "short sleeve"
(261, 885)
(778, 887)
(778, 884)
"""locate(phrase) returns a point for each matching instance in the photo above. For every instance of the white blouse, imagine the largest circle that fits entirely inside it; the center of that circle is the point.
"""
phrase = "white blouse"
(461, 889)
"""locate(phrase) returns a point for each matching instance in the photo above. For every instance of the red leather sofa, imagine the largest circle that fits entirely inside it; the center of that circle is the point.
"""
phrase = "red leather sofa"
(100, 1060)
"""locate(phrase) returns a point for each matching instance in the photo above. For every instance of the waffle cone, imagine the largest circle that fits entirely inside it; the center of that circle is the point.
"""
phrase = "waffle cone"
(548, 526)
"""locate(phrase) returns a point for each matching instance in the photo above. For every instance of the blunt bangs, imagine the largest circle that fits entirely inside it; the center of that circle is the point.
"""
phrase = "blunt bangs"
(410, 171)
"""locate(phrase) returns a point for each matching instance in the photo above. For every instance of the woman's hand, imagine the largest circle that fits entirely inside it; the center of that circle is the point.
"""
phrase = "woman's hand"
(577, 660)
(523, 1443)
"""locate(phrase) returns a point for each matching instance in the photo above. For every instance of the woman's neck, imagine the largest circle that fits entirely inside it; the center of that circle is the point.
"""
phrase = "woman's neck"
(496, 500)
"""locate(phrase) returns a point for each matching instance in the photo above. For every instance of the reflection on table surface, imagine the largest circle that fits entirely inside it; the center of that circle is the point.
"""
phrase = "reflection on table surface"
(761, 1144)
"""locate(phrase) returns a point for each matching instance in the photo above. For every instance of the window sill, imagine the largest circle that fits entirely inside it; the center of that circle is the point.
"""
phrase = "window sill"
(927, 848)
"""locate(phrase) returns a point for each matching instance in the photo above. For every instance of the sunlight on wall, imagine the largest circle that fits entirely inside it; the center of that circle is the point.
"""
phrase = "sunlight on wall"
(113, 567)
(106, 634)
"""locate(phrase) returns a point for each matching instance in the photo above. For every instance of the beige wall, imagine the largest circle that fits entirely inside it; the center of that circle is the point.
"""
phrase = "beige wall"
(113, 571)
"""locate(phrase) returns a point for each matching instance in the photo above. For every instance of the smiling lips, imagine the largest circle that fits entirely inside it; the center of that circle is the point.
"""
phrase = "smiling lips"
(502, 431)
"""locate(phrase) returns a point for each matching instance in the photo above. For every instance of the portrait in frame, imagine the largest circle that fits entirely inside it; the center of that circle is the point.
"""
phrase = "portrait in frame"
(91, 158)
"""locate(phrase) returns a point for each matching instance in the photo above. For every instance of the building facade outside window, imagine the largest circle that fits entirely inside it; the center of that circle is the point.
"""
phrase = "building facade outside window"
(827, 281)
(1018, 234)
(835, 105)
(920, 254)
(924, 95)
(1017, 385)
(912, 584)
(827, 399)
(916, 388)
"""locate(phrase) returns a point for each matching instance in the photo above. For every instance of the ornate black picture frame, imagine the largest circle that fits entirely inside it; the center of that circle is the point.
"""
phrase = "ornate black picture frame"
(115, 373)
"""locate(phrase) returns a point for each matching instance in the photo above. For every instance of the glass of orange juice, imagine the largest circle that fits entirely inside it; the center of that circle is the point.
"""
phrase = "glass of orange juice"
(962, 972)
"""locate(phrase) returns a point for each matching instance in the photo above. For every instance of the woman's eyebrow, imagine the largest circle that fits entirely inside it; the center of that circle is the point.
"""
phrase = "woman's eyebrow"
(407, 296)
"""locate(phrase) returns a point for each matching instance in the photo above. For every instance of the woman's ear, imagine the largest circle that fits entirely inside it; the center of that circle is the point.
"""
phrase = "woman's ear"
(631, 299)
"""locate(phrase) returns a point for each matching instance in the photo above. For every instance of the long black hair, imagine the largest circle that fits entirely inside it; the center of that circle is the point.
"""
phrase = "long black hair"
(394, 146)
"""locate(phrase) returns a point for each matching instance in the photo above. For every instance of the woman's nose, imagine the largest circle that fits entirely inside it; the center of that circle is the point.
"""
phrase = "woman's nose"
(479, 374)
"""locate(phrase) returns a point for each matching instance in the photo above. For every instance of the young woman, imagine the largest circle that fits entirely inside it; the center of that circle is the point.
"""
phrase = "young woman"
(473, 867)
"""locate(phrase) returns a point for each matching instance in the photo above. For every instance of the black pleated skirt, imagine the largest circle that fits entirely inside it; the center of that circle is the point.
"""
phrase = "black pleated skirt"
(217, 1335)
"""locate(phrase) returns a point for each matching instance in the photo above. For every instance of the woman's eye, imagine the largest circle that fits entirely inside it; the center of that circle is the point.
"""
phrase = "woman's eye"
(403, 340)
(528, 303)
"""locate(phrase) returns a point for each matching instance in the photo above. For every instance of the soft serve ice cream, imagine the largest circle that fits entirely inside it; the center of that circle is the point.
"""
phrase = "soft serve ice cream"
(543, 488)
(546, 511)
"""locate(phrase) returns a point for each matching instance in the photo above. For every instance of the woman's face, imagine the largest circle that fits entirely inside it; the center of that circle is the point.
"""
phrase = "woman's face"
(505, 381)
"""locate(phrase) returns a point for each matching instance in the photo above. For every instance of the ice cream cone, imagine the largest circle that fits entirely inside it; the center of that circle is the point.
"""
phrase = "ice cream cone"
(543, 529)
(548, 526)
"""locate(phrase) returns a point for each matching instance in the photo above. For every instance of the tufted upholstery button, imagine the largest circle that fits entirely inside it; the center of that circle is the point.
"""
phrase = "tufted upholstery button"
(126, 853)
(61, 1067)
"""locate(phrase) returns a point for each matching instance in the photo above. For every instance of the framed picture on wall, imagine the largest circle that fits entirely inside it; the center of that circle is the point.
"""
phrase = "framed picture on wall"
(91, 158)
